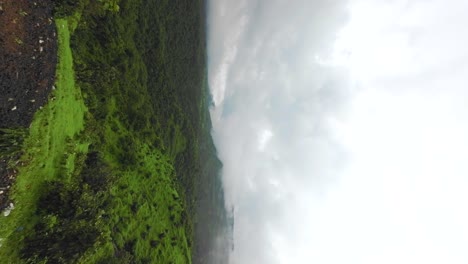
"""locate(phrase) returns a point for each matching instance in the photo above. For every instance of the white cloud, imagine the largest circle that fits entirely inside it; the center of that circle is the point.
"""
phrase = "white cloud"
(342, 128)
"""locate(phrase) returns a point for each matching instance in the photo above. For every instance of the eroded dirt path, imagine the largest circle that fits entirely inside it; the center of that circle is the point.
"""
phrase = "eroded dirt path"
(28, 57)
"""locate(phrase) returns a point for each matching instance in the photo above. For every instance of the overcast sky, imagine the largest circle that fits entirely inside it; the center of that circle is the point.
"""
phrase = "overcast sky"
(343, 129)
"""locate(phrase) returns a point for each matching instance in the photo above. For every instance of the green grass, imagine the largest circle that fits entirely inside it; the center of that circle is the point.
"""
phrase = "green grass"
(121, 159)
(146, 214)
(50, 150)
(145, 219)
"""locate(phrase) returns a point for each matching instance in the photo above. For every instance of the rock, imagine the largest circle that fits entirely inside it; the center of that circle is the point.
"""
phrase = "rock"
(8, 210)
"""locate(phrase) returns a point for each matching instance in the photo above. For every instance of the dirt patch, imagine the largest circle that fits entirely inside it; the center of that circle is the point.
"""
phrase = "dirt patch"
(28, 57)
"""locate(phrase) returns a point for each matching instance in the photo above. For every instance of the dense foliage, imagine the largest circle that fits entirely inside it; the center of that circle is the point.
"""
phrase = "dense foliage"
(65, 211)
(140, 183)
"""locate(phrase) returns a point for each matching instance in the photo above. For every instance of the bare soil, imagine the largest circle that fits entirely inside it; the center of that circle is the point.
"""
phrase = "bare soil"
(28, 57)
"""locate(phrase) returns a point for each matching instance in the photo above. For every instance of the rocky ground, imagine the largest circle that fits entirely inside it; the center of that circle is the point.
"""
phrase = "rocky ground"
(28, 57)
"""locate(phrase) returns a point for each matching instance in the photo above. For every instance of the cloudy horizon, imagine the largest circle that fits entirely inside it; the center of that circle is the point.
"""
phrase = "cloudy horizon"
(342, 129)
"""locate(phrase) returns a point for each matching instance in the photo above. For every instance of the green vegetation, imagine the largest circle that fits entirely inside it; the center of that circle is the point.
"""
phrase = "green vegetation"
(11, 141)
(120, 166)
(52, 149)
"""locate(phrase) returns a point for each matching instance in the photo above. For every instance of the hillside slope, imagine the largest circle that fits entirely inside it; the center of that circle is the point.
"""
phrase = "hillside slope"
(119, 165)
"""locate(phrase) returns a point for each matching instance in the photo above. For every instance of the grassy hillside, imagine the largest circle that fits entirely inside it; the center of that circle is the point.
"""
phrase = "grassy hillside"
(49, 152)
(119, 166)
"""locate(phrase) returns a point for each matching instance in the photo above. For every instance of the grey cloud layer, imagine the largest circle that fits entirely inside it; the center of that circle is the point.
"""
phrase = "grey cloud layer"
(264, 55)
(287, 123)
